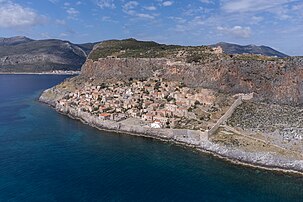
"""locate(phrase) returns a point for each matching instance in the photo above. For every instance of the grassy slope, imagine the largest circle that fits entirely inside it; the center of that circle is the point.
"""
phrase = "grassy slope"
(131, 48)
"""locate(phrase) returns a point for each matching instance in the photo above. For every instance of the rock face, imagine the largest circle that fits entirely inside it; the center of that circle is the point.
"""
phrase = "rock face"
(279, 81)
(21, 54)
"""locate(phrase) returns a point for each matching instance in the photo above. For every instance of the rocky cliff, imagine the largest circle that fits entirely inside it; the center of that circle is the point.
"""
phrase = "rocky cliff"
(21, 54)
(272, 79)
(279, 81)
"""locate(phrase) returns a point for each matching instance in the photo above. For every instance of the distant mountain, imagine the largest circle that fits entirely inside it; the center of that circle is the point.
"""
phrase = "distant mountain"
(87, 47)
(14, 40)
(21, 54)
(229, 48)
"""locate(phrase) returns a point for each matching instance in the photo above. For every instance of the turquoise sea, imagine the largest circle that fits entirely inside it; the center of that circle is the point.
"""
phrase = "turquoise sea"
(45, 156)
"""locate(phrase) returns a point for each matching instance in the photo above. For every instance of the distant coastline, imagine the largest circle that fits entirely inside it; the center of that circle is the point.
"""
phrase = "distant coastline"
(56, 72)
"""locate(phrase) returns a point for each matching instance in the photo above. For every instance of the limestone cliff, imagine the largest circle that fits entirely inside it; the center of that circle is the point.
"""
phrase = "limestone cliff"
(279, 80)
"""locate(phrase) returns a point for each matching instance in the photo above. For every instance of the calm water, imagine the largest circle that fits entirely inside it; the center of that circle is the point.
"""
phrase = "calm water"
(45, 156)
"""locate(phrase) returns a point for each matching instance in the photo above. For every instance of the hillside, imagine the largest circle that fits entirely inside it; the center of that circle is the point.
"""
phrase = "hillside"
(132, 48)
(14, 40)
(244, 107)
(229, 48)
(21, 54)
(273, 79)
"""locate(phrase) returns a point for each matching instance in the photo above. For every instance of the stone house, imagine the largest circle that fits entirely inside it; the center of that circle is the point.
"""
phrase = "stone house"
(105, 116)
(148, 117)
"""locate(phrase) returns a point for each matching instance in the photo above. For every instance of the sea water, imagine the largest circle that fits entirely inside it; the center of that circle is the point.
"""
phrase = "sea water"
(45, 156)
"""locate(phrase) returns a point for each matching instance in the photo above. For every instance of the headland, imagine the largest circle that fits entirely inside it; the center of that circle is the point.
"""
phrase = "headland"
(245, 108)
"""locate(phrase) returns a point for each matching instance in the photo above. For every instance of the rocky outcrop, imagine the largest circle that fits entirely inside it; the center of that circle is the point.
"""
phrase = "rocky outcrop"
(279, 81)
(269, 79)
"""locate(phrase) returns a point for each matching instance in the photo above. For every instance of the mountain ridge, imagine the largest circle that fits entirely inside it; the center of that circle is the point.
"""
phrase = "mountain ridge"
(231, 48)
(14, 40)
(23, 54)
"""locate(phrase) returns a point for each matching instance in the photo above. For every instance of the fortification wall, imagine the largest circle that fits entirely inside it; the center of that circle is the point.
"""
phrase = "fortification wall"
(226, 116)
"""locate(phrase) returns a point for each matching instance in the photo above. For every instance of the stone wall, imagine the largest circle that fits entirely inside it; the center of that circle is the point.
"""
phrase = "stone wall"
(226, 116)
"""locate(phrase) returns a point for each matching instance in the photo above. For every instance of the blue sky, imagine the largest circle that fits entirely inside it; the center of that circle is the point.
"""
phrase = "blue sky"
(276, 23)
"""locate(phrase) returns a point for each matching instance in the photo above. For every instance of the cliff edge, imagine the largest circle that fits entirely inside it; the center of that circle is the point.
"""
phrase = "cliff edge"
(272, 79)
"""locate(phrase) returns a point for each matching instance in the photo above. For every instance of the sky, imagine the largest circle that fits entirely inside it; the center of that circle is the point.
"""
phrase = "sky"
(275, 23)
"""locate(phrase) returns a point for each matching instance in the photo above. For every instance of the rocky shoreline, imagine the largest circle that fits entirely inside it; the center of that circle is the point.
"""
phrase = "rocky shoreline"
(59, 72)
(191, 138)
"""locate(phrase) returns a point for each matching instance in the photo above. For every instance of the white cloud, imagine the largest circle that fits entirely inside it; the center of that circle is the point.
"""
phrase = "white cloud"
(256, 19)
(167, 3)
(195, 26)
(130, 9)
(251, 5)
(130, 5)
(106, 4)
(237, 31)
(53, 1)
(63, 34)
(60, 22)
(297, 7)
(72, 13)
(198, 20)
(144, 15)
(15, 15)
(207, 1)
(108, 19)
(150, 8)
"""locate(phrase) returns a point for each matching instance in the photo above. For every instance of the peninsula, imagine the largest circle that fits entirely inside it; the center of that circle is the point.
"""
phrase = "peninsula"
(246, 108)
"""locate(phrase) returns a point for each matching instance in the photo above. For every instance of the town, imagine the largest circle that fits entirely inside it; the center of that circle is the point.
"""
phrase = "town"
(161, 104)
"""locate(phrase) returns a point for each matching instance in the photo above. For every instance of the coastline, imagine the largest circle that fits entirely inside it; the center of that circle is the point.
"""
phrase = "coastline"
(188, 138)
(42, 73)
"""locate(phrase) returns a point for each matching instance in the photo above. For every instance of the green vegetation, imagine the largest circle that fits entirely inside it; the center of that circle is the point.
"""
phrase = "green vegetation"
(131, 48)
